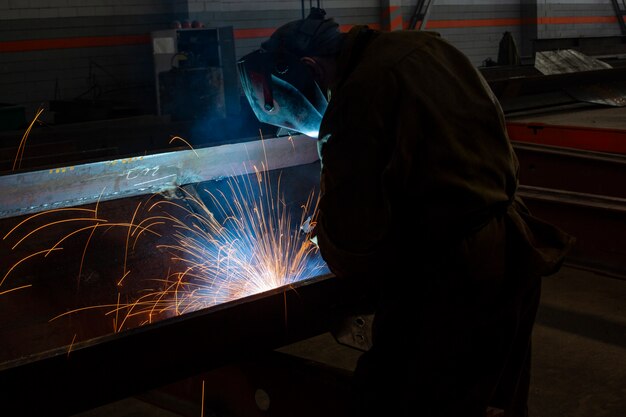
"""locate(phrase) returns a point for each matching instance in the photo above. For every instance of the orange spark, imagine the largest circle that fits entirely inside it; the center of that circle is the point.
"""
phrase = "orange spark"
(20, 149)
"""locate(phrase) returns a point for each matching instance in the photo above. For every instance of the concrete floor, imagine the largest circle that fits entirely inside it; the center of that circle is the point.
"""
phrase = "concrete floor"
(579, 364)
(580, 347)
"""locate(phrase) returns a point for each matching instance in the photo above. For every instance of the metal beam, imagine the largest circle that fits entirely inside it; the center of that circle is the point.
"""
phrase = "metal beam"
(35, 191)
(106, 369)
(570, 169)
(620, 12)
(598, 223)
(581, 192)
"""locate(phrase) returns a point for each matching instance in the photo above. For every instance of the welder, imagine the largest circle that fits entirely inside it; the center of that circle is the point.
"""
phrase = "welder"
(418, 205)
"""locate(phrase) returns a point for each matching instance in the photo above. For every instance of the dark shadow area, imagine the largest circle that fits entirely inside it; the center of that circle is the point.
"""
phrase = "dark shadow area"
(593, 327)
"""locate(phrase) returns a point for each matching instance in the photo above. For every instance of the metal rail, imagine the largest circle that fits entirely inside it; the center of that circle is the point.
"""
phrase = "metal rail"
(572, 169)
(31, 192)
(598, 223)
(528, 89)
(583, 193)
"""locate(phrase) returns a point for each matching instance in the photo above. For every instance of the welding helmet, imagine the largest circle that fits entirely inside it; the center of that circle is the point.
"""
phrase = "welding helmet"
(279, 87)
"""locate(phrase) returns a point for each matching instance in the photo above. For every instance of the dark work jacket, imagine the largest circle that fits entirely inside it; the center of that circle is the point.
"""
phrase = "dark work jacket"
(415, 156)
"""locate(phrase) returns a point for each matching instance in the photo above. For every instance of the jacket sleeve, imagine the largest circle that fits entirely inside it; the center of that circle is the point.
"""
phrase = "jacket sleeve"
(541, 247)
(354, 216)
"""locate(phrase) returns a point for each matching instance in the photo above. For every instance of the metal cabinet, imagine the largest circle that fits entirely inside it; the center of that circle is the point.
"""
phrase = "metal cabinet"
(195, 72)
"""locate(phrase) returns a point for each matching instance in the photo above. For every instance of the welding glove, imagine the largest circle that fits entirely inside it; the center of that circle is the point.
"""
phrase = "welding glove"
(308, 227)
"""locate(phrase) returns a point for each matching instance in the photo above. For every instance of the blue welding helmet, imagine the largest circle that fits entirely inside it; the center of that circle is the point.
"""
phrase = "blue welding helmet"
(279, 87)
(286, 97)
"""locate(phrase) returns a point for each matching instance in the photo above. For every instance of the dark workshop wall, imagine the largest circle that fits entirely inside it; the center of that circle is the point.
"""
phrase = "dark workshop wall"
(63, 49)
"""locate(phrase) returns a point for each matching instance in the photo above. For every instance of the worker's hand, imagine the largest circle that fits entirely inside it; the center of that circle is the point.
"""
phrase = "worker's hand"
(308, 227)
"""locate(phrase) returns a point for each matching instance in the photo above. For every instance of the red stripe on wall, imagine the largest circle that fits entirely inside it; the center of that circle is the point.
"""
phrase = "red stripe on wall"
(576, 20)
(468, 23)
(267, 32)
(464, 23)
(95, 41)
(396, 23)
(68, 43)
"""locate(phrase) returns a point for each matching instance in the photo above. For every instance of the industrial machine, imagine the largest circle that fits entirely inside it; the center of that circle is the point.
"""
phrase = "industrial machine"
(195, 73)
